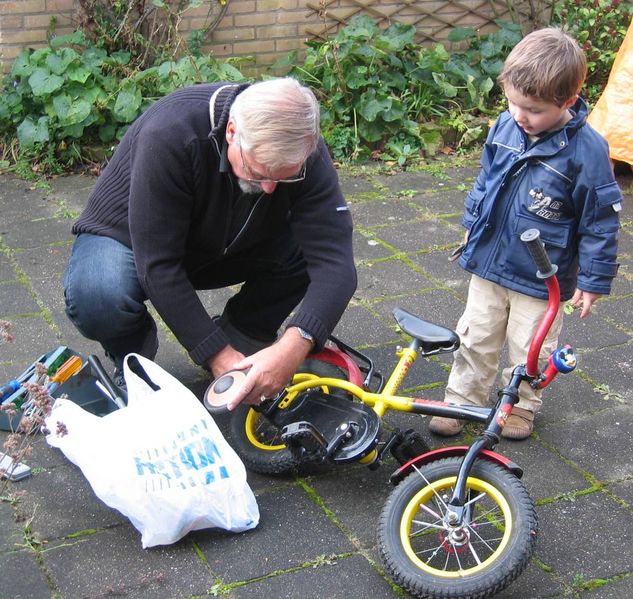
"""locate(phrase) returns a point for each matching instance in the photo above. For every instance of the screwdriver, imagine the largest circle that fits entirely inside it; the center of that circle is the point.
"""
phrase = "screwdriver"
(64, 372)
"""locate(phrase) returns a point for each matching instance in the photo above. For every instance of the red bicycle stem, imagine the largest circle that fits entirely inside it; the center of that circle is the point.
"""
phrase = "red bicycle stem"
(553, 305)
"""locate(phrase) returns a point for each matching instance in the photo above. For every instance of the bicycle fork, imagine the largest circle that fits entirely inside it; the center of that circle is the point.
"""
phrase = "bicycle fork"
(508, 398)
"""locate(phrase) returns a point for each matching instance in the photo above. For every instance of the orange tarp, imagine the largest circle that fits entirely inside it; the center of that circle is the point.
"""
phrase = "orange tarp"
(613, 114)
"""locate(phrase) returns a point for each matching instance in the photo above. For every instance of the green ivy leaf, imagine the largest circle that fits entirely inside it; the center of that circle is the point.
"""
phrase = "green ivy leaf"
(127, 105)
(61, 104)
(370, 106)
(93, 57)
(107, 132)
(77, 38)
(395, 112)
(30, 133)
(461, 34)
(78, 113)
(397, 36)
(22, 66)
(450, 91)
(78, 73)
(44, 83)
(371, 131)
(121, 57)
(75, 131)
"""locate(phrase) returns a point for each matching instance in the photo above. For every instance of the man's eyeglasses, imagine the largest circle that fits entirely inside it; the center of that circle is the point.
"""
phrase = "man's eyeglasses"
(257, 178)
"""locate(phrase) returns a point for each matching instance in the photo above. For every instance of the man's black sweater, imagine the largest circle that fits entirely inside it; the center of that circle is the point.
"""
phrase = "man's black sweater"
(168, 194)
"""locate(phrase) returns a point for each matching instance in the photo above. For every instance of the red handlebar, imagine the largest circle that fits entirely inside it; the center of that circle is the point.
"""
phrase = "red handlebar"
(553, 305)
(547, 271)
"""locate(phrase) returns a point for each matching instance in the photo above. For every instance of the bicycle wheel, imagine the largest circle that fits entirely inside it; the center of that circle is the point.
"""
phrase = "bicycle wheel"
(430, 558)
(258, 442)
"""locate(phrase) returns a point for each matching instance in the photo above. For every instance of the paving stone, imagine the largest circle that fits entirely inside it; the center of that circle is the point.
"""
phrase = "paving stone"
(16, 299)
(620, 588)
(289, 523)
(316, 538)
(585, 538)
(416, 236)
(603, 435)
(373, 282)
(111, 562)
(344, 577)
(22, 578)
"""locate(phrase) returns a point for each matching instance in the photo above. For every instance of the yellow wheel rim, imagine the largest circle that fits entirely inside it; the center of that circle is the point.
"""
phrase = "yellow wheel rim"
(252, 424)
(410, 527)
(254, 420)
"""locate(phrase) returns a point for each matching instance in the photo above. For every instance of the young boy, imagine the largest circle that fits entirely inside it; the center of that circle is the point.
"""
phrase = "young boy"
(542, 167)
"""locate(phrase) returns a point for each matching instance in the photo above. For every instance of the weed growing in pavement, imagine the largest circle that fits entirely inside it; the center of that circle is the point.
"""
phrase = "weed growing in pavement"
(18, 444)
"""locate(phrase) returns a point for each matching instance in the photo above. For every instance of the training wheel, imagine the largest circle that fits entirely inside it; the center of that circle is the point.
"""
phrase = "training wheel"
(222, 390)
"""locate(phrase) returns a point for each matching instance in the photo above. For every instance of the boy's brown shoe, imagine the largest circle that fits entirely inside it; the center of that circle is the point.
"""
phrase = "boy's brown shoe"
(446, 427)
(520, 424)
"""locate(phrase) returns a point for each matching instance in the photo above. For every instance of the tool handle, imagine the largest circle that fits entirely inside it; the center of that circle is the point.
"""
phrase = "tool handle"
(10, 388)
(118, 395)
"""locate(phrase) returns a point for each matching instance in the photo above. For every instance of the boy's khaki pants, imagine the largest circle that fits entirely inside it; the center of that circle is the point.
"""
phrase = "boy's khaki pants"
(493, 316)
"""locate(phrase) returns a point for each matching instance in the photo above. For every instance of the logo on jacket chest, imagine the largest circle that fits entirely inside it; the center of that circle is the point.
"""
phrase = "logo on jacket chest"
(542, 205)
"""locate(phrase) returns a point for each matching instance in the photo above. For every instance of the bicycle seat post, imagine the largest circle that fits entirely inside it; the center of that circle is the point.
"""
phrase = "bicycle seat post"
(407, 356)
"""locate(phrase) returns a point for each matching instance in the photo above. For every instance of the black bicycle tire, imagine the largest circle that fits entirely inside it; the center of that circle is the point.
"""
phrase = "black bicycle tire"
(280, 461)
(485, 583)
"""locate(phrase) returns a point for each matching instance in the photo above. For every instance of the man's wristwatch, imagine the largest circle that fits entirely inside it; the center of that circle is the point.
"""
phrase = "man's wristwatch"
(307, 336)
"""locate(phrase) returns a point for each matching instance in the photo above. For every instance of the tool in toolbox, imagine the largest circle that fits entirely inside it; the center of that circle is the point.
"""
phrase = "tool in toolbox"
(66, 373)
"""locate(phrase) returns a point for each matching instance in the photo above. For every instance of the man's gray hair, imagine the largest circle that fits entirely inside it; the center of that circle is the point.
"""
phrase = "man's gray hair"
(277, 122)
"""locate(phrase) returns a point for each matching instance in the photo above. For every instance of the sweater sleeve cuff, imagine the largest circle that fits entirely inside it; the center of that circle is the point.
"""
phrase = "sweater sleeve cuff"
(209, 346)
(314, 326)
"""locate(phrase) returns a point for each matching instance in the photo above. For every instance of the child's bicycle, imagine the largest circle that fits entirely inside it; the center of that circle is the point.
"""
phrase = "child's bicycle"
(459, 522)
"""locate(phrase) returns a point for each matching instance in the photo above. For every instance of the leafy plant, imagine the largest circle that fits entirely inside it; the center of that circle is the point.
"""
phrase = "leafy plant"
(480, 63)
(62, 99)
(599, 26)
(390, 91)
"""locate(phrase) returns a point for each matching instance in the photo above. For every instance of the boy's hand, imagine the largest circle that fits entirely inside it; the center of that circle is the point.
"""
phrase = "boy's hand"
(583, 300)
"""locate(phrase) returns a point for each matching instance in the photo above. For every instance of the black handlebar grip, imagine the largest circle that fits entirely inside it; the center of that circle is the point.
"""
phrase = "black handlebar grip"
(532, 239)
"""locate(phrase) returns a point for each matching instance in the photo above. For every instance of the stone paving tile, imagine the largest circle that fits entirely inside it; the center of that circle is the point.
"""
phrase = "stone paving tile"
(343, 577)
(317, 536)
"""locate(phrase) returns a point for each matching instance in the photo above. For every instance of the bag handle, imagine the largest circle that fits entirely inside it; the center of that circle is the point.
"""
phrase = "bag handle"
(145, 378)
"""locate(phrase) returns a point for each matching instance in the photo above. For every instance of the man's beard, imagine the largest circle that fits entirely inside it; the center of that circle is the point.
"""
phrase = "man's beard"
(249, 187)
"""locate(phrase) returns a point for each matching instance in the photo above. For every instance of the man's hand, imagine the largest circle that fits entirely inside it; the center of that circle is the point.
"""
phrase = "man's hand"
(583, 300)
(271, 369)
(224, 360)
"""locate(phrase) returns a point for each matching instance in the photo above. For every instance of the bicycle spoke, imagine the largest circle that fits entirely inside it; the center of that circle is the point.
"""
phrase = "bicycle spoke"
(425, 527)
(435, 493)
(429, 511)
(471, 548)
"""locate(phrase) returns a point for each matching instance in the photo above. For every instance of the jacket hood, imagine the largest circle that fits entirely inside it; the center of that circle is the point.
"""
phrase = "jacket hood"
(580, 111)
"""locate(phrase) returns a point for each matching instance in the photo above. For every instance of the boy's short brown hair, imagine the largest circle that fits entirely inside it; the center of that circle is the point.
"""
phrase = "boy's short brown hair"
(547, 64)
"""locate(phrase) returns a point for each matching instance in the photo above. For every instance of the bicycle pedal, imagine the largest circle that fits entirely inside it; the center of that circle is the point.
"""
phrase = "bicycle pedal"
(304, 440)
(409, 446)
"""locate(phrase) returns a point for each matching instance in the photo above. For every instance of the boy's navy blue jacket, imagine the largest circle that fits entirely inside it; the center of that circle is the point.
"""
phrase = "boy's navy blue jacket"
(563, 185)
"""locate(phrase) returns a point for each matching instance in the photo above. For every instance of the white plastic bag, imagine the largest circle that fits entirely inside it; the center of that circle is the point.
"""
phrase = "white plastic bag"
(161, 461)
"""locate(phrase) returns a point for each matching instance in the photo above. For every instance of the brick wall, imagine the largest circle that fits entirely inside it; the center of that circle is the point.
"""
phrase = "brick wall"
(265, 29)
(25, 23)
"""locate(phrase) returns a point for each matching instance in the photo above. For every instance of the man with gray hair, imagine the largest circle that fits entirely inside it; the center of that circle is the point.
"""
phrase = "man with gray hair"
(217, 185)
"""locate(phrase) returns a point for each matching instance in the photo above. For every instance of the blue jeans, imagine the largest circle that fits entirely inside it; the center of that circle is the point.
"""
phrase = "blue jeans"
(104, 299)
(106, 303)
